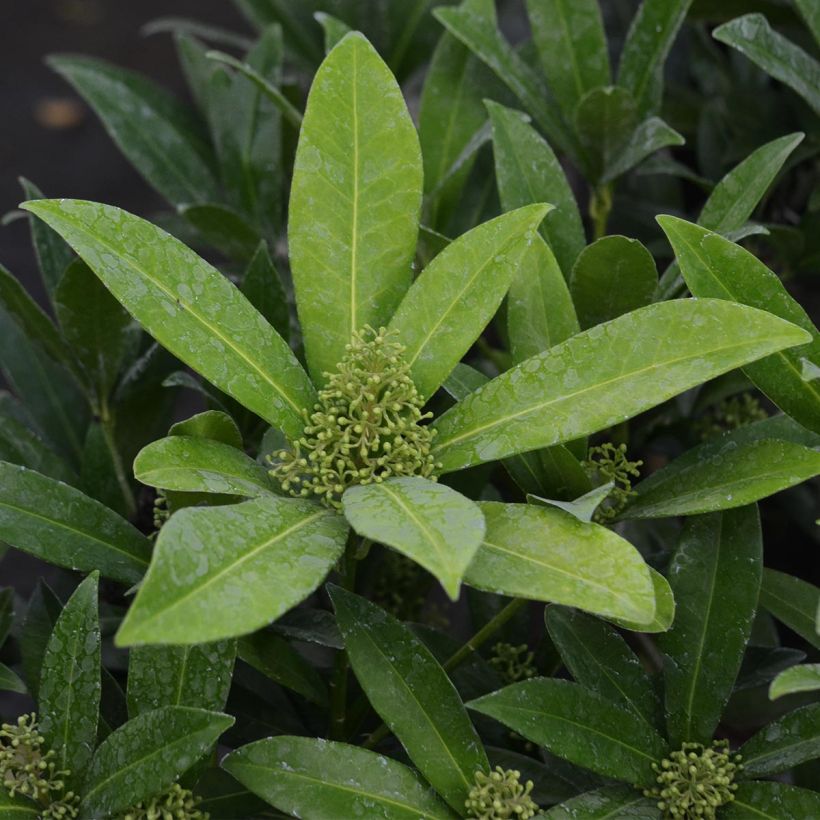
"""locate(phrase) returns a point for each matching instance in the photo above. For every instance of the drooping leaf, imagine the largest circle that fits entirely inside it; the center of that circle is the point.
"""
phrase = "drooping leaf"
(715, 576)
(801, 678)
(579, 726)
(263, 287)
(715, 267)
(146, 755)
(607, 803)
(326, 780)
(772, 801)
(793, 601)
(355, 200)
(70, 687)
(784, 744)
(583, 507)
(188, 306)
(227, 571)
(605, 375)
(412, 694)
(61, 525)
(612, 276)
(458, 293)
(546, 554)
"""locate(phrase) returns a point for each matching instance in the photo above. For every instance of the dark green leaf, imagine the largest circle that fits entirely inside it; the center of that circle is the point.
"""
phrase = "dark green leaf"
(18, 808)
(607, 803)
(773, 801)
(784, 744)
(43, 610)
(224, 229)
(10, 682)
(263, 287)
(605, 119)
(650, 136)
(792, 601)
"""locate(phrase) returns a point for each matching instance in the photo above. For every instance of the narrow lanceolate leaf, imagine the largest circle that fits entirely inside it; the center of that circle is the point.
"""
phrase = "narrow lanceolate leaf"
(753, 36)
(227, 571)
(650, 38)
(607, 803)
(571, 46)
(804, 677)
(10, 681)
(159, 136)
(546, 554)
(41, 614)
(200, 465)
(197, 675)
(413, 695)
(430, 523)
(188, 306)
(788, 742)
(146, 755)
(458, 293)
(264, 289)
(318, 778)
(715, 576)
(605, 375)
(793, 601)
(580, 726)
(527, 171)
(355, 201)
(712, 478)
(612, 276)
(600, 659)
(69, 699)
(61, 525)
(715, 267)
(771, 801)
(650, 136)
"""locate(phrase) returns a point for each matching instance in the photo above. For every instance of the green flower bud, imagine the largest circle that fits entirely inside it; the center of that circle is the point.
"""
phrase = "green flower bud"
(729, 414)
(608, 463)
(513, 663)
(175, 804)
(500, 795)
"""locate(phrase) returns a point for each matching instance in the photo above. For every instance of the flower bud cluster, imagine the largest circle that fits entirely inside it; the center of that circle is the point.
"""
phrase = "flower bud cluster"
(175, 804)
(730, 414)
(500, 795)
(513, 663)
(608, 463)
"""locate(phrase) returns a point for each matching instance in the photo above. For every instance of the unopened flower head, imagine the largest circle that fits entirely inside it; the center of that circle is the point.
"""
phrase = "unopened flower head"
(174, 804)
(608, 463)
(730, 414)
(500, 795)
(513, 663)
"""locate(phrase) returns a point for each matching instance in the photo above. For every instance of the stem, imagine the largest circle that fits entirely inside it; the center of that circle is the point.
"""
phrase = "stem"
(600, 205)
(107, 423)
(482, 636)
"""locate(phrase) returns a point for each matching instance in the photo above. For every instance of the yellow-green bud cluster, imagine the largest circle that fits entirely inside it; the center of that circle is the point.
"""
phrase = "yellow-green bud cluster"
(365, 427)
(28, 769)
(608, 462)
(730, 414)
(513, 663)
(696, 781)
(175, 804)
(500, 795)
(161, 511)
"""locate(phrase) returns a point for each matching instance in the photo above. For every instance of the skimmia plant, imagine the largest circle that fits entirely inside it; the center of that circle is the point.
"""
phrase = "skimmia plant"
(471, 521)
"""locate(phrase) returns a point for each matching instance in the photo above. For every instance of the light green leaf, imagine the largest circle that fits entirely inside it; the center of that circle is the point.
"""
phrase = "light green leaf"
(224, 229)
(784, 744)
(715, 576)
(793, 601)
(546, 554)
(430, 523)
(605, 375)
(650, 136)
(227, 571)
(527, 171)
(709, 478)
(753, 36)
(10, 681)
(146, 755)
(412, 694)
(458, 293)
(160, 137)
(210, 424)
(200, 465)
(801, 678)
(612, 276)
(70, 687)
(59, 524)
(571, 46)
(664, 608)
(580, 726)
(188, 306)
(326, 780)
(264, 289)
(355, 200)
(648, 42)
(607, 803)
(773, 801)
(197, 676)
(714, 267)
(583, 507)
(334, 29)
(605, 119)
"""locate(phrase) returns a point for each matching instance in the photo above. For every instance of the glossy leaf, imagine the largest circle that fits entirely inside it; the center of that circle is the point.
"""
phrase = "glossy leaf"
(604, 119)
(61, 525)
(607, 803)
(605, 375)
(578, 725)
(224, 229)
(263, 288)
(546, 554)
(527, 171)
(801, 678)
(10, 681)
(210, 424)
(583, 507)
(650, 136)
(793, 601)
(612, 276)
(227, 571)
(41, 614)
(430, 523)
(70, 687)
(412, 694)
(145, 756)
(664, 608)
(772, 801)
(753, 36)
(188, 306)
(714, 267)
(200, 465)
(715, 576)
(784, 744)
(159, 136)
(326, 780)
(310, 625)
(458, 293)
(198, 675)
(355, 201)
